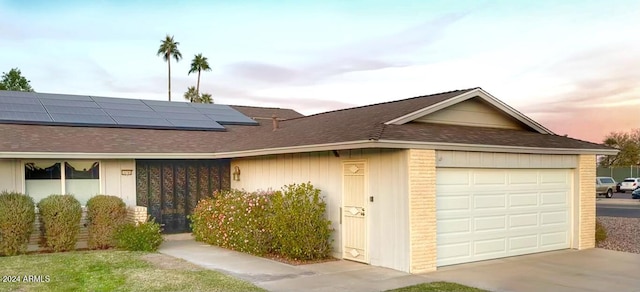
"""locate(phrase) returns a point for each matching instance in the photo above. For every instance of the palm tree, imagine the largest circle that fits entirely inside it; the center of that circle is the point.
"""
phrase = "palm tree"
(206, 98)
(191, 95)
(169, 48)
(199, 64)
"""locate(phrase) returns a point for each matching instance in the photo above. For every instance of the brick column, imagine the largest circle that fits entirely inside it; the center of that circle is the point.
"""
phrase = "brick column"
(422, 210)
(137, 214)
(587, 202)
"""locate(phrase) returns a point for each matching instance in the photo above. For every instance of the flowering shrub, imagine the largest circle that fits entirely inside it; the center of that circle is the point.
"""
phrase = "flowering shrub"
(233, 219)
(290, 222)
(298, 223)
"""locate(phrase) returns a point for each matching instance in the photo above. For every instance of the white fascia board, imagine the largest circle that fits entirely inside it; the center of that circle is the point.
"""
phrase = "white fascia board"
(493, 148)
(478, 92)
(313, 148)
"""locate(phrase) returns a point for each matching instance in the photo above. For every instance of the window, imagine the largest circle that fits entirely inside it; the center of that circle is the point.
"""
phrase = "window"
(80, 178)
(607, 180)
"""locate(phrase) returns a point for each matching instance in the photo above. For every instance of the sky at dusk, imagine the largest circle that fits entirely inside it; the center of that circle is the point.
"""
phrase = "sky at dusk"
(573, 66)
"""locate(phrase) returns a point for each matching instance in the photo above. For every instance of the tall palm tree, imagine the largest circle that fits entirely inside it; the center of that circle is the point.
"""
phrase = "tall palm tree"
(199, 64)
(169, 48)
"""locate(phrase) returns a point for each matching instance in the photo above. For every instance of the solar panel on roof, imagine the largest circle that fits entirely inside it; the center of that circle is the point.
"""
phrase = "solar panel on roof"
(195, 124)
(135, 121)
(24, 116)
(30, 107)
(83, 119)
(171, 109)
(17, 107)
(74, 110)
(124, 106)
(100, 99)
(21, 100)
(64, 97)
(131, 113)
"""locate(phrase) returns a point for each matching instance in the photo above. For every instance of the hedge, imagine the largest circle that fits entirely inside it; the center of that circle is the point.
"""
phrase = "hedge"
(105, 215)
(17, 214)
(60, 222)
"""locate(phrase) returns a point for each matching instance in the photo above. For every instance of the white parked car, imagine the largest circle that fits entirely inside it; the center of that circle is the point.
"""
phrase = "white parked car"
(630, 184)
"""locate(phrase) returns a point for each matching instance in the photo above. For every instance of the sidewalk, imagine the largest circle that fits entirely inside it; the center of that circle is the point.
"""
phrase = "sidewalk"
(276, 276)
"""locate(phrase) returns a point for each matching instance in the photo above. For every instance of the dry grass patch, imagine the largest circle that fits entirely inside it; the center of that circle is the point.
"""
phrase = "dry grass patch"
(113, 271)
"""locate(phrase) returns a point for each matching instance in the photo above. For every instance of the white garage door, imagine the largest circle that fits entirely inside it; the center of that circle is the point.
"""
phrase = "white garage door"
(492, 213)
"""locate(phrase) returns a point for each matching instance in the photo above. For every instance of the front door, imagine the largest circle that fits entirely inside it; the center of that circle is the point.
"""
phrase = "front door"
(354, 220)
(170, 189)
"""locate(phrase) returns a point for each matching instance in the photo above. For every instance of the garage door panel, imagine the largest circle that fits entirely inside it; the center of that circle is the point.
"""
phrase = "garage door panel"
(556, 176)
(489, 177)
(454, 225)
(554, 218)
(523, 243)
(559, 238)
(523, 178)
(491, 246)
(453, 203)
(523, 200)
(492, 201)
(554, 198)
(523, 220)
(462, 178)
(501, 212)
(490, 223)
(457, 251)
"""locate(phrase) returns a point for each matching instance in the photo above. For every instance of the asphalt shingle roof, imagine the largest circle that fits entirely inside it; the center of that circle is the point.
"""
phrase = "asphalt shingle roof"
(353, 124)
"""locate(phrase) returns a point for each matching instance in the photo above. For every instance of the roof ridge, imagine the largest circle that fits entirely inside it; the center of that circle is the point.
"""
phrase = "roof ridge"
(380, 103)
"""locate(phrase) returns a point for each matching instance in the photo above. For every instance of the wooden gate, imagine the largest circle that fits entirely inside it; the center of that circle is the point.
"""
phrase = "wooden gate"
(170, 189)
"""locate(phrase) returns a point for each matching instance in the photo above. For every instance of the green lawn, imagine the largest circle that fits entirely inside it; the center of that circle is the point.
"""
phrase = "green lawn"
(112, 271)
(437, 287)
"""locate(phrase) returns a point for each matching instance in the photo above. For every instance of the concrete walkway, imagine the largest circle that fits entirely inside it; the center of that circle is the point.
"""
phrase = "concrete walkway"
(275, 276)
(566, 270)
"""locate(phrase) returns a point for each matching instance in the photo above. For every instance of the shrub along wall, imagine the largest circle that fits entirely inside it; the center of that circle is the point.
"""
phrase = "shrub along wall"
(16, 219)
(59, 222)
(105, 214)
(291, 223)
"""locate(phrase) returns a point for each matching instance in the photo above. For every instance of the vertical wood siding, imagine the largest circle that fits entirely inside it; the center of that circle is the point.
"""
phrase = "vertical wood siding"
(387, 184)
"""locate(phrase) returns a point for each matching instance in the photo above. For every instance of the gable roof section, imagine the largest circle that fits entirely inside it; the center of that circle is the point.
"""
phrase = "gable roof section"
(473, 93)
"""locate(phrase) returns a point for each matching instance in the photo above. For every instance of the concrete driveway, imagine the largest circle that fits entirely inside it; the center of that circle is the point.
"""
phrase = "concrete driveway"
(567, 270)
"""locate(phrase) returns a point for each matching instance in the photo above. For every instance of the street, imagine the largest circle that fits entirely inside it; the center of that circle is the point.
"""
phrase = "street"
(621, 205)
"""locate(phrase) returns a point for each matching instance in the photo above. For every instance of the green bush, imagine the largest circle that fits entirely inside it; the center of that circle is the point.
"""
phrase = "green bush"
(17, 214)
(144, 236)
(59, 222)
(298, 224)
(601, 233)
(105, 214)
(233, 219)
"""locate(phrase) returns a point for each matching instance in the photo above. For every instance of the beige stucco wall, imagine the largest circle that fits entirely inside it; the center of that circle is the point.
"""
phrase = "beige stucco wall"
(587, 201)
(422, 210)
(387, 219)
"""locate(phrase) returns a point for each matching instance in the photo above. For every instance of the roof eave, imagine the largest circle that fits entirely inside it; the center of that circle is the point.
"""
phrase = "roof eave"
(314, 148)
